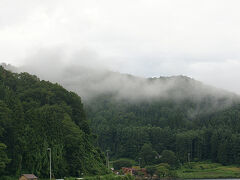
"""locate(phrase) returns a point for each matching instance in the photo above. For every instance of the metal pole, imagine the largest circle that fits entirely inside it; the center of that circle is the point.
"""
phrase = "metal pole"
(107, 160)
(50, 163)
(189, 159)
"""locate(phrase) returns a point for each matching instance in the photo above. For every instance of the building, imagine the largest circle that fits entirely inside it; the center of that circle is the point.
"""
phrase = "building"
(127, 170)
(28, 177)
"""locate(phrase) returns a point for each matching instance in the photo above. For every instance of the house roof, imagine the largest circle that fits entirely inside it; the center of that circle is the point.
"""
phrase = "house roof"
(30, 176)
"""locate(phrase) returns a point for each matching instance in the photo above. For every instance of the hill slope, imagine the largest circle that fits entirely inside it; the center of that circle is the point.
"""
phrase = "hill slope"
(36, 115)
(175, 113)
(168, 113)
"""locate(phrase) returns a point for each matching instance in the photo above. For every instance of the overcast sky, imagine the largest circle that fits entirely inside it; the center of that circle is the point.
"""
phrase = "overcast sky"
(197, 38)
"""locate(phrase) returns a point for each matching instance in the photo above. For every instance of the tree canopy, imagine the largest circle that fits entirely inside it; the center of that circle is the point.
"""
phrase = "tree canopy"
(36, 115)
(204, 129)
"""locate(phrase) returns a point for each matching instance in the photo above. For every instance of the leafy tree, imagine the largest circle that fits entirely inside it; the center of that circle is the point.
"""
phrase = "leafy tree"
(36, 115)
(162, 170)
(118, 164)
(3, 157)
(169, 157)
(151, 170)
(147, 154)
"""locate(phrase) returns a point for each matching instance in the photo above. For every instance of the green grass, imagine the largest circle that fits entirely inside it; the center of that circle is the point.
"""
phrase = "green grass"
(15, 178)
(103, 177)
(208, 170)
(110, 177)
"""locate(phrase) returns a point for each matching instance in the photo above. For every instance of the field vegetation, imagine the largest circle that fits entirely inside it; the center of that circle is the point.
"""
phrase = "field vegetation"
(201, 170)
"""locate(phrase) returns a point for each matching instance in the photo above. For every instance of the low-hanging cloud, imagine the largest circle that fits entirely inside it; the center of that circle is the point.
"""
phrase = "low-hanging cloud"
(84, 74)
(143, 38)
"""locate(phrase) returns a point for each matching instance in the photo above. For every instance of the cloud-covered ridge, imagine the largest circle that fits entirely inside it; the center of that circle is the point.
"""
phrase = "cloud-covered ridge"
(89, 82)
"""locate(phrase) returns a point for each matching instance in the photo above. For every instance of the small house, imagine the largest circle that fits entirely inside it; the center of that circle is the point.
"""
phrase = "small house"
(28, 177)
(127, 170)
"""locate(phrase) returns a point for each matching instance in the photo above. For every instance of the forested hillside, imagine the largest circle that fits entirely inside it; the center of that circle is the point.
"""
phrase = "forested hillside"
(36, 115)
(193, 120)
(133, 116)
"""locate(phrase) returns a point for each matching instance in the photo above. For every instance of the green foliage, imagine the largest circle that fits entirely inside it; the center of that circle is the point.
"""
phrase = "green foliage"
(110, 177)
(164, 170)
(36, 115)
(194, 128)
(208, 170)
(118, 164)
(169, 157)
(151, 170)
(147, 154)
(3, 157)
(8, 178)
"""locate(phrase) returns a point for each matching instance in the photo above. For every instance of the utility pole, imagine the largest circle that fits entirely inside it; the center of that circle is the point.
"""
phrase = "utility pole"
(189, 159)
(139, 160)
(107, 163)
(50, 163)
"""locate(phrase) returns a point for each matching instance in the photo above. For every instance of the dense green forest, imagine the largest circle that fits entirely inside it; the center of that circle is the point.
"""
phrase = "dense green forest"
(36, 115)
(196, 130)
(186, 121)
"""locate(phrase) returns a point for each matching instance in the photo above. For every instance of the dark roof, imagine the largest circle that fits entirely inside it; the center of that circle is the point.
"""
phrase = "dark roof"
(30, 176)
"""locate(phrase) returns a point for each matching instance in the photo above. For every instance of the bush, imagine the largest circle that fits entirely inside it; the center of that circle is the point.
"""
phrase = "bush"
(7, 178)
(164, 170)
(169, 158)
(110, 177)
(151, 170)
(118, 164)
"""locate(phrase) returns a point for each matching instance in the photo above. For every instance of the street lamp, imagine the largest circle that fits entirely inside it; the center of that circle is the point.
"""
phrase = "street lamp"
(139, 159)
(189, 159)
(50, 163)
(107, 163)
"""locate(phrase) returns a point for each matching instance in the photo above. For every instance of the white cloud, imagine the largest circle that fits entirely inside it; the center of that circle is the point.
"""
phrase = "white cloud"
(144, 37)
(223, 74)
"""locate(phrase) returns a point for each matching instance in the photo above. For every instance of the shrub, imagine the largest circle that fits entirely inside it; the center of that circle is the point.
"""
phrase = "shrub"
(118, 164)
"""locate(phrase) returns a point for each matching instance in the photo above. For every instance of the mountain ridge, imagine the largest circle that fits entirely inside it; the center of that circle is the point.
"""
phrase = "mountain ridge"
(178, 113)
(89, 83)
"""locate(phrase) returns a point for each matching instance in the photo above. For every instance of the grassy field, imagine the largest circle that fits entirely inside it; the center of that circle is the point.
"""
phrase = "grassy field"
(194, 170)
(16, 178)
(104, 177)
(208, 170)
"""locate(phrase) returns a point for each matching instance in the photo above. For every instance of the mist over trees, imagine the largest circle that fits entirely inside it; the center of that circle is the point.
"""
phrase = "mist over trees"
(125, 128)
(91, 82)
(176, 114)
